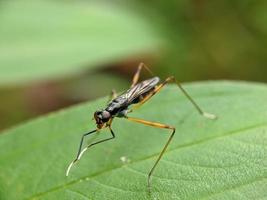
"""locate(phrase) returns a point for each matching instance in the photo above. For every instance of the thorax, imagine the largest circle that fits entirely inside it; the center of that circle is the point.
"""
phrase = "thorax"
(117, 105)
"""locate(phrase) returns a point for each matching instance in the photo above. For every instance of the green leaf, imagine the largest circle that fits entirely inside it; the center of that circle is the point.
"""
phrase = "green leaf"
(50, 39)
(207, 159)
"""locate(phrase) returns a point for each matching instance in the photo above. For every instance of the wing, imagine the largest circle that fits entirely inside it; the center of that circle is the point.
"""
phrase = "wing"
(141, 88)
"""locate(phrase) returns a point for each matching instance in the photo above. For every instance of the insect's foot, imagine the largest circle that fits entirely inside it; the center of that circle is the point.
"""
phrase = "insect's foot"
(149, 184)
(69, 167)
(209, 116)
(148, 189)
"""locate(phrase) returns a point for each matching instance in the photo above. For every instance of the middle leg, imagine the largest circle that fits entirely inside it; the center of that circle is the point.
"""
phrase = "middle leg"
(112, 95)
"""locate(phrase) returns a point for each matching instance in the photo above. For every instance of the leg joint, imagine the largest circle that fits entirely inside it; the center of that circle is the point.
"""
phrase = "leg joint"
(170, 78)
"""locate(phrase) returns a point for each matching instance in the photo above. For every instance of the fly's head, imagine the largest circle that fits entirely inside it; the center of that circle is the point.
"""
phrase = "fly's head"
(101, 118)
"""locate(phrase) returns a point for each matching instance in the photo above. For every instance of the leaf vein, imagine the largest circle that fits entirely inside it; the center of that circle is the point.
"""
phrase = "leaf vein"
(78, 193)
(233, 188)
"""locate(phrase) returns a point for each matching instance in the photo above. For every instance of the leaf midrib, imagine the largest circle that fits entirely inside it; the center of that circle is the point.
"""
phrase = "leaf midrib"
(187, 145)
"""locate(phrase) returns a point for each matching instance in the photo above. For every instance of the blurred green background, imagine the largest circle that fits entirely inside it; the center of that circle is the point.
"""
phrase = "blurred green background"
(56, 53)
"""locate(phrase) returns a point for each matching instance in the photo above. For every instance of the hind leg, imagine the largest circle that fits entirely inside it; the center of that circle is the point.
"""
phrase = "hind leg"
(170, 80)
(137, 73)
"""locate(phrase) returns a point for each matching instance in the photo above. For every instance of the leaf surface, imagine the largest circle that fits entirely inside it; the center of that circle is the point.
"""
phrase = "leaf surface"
(222, 159)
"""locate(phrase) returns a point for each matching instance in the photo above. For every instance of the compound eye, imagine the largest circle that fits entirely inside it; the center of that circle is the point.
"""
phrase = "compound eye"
(98, 115)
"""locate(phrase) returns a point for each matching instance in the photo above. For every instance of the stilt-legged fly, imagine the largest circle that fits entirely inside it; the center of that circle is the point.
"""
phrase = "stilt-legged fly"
(119, 106)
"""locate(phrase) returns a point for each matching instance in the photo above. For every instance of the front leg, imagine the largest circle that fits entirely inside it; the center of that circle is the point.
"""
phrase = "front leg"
(81, 152)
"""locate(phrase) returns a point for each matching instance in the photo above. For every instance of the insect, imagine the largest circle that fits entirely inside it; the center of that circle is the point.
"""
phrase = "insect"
(120, 106)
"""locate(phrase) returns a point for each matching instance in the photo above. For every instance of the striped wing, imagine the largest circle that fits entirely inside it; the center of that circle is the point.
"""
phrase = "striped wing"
(141, 88)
